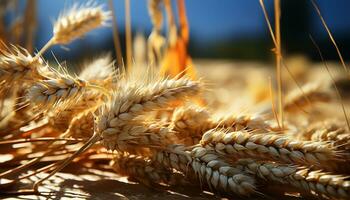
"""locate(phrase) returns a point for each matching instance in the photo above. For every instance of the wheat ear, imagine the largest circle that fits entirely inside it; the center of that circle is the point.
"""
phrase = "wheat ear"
(208, 168)
(334, 133)
(61, 117)
(271, 146)
(220, 175)
(56, 90)
(132, 101)
(75, 23)
(145, 171)
(312, 93)
(98, 72)
(334, 186)
(99, 69)
(189, 124)
(81, 126)
(16, 64)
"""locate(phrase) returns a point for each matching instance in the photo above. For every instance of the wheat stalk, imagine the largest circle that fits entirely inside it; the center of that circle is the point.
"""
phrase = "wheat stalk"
(155, 40)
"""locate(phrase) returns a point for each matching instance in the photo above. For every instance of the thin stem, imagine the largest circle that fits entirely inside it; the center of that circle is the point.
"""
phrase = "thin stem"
(31, 24)
(275, 43)
(128, 35)
(45, 47)
(43, 169)
(333, 81)
(29, 163)
(273, 107)
(330, 36)
(278, 58)
(95, 138)
(116, 40)
(18, 141)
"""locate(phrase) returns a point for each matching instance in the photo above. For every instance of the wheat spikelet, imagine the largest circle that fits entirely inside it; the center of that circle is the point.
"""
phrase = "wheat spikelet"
(98, 72)
(334, 186)
(16, 64)
(220, 175)
(337, 136)
(189, 123)
(99, 69)
(57, 90)
(142, 135)
(332, 132)
(242, 122)
(145, 171)
(173, 156)
(89, 100)
(208, 168)
(77, 21)
(61, 117)
(81, 126)
(269, 145)
(311, 94)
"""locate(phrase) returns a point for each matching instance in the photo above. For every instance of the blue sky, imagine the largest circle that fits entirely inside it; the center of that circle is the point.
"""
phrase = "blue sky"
(209, 19)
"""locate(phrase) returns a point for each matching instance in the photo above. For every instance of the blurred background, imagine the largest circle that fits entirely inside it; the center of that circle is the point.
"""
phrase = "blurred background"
(225, 29)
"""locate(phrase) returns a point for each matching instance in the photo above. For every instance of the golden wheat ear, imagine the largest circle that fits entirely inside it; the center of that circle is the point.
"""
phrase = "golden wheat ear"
(75, 23)
(17, 64)
(98, 69)
(312, 93)
(270, 147)
(145, 170)
(331, 185)
(208, 168)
